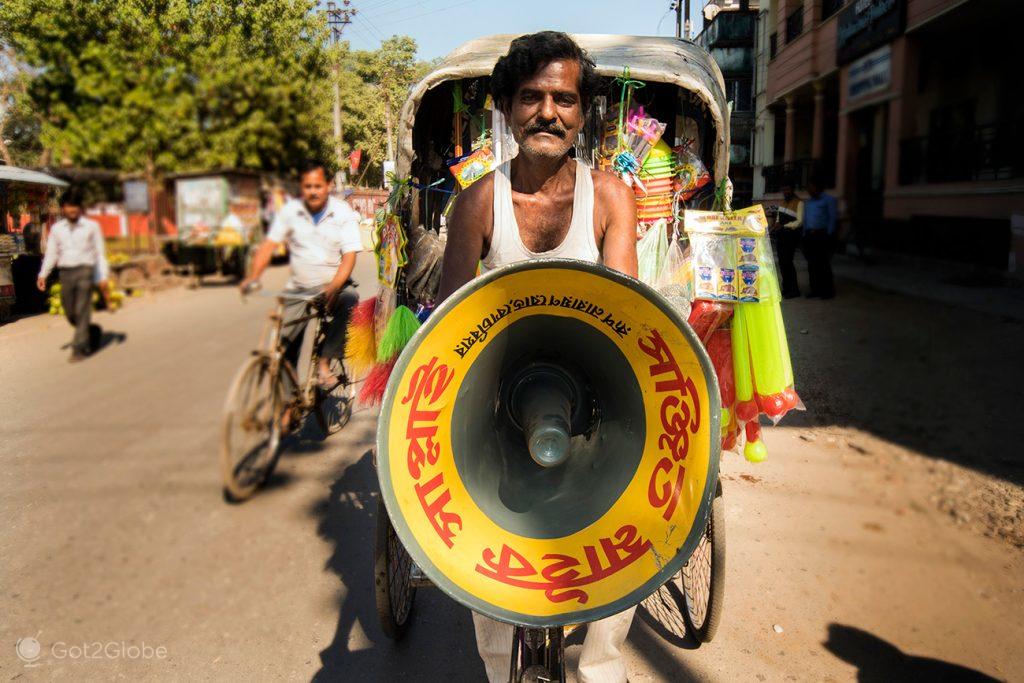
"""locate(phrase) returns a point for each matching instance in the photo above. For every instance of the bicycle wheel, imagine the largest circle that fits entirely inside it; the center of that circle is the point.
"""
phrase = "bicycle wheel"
(704, 576)
(334, 406)
(250, 430)
(392, 569)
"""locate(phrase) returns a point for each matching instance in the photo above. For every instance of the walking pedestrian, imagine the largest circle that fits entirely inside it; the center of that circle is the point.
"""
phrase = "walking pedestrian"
(787, 229)
(75, 247)
(820, 214)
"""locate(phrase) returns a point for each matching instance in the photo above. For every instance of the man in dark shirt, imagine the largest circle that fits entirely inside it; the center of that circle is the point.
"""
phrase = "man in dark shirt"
(820, 214)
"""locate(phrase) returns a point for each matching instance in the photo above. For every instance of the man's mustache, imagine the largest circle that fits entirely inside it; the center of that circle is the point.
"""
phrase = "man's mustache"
(549, 128)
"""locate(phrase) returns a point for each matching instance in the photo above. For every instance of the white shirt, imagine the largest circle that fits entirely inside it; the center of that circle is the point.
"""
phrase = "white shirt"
(507, 242)
(71, 245)
(315, 250)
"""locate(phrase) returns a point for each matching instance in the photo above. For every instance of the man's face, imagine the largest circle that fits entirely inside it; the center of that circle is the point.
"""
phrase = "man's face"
(545, 114)
(787, 192)
(813, 189)
(315, 189)
(72, 212)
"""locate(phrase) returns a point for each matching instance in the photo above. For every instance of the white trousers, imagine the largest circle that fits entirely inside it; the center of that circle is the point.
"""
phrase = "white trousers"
(600, 662)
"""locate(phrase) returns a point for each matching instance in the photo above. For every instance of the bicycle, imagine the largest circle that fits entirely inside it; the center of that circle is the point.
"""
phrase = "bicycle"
(266, 388)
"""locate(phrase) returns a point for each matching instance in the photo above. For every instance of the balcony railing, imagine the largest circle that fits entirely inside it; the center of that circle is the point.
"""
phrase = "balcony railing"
(773, 45)
(728, 28)
(795, 24)
(799, 172)
(830, 7)
(990, 152)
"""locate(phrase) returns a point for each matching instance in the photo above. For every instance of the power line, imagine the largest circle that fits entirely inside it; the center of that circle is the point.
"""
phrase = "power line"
(426, 14)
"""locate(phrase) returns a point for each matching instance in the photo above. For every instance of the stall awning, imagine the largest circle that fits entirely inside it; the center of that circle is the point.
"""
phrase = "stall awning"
(24, 175)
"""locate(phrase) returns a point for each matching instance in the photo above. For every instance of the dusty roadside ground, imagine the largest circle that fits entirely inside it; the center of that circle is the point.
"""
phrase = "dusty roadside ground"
(891, 378)
(880, 541)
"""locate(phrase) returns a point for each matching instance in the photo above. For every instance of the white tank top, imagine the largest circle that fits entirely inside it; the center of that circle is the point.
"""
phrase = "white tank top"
(507, 244)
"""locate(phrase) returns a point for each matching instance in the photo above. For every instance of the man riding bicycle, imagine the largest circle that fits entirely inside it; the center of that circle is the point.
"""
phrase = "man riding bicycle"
(322, 235)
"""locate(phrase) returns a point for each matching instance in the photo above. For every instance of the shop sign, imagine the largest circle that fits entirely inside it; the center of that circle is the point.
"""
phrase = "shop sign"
(866, 24)
(136, 196)
(200, 202)
(870, 74)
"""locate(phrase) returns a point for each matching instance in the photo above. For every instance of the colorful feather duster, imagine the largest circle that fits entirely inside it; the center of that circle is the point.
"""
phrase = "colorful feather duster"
(400, 329)
(361, 342)
(372, 391)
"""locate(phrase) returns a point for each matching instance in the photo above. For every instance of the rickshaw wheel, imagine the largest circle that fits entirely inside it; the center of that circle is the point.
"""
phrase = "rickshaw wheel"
(392, 568)
(704, 576)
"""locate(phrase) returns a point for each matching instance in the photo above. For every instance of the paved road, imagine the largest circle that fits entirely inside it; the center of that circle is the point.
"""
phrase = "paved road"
(114, 531)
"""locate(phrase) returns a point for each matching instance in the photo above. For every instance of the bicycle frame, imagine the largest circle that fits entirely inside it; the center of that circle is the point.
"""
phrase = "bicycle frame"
(270, 346)
(538, 654)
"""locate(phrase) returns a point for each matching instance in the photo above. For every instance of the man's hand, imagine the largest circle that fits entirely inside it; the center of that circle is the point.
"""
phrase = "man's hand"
(105, 293)
(330, 294)
(41, 284)
(248, 285)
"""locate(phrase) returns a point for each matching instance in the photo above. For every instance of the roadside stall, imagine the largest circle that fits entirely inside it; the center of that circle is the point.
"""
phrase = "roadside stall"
(24, 199)
(217, 219)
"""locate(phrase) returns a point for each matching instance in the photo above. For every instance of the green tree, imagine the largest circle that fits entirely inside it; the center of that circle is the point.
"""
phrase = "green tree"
(374, 85)
(168, 85)
(19, 127)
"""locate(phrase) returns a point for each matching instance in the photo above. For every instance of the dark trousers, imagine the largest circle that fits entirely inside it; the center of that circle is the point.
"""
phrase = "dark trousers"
(337, 326)
(787, 242)
(818, 252)
(76, 297)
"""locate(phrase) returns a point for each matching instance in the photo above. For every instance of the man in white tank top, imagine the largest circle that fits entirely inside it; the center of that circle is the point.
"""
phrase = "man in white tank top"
(544, 204)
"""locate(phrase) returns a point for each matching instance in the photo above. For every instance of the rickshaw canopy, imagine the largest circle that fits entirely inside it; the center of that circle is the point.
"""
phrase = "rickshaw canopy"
(649, 58)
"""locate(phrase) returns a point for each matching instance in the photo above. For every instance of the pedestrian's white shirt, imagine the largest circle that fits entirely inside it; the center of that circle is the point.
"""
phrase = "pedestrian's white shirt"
(315, 250)
(74, 245)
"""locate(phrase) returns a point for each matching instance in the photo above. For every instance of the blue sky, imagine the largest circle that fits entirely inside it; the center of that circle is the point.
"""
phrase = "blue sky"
(439, 26)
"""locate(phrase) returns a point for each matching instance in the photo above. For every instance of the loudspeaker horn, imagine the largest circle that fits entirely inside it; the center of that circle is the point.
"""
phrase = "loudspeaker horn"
(548, 443)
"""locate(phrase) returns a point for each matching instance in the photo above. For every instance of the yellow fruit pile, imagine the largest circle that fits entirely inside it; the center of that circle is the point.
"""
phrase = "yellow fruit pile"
(228, 237)
(114, 301)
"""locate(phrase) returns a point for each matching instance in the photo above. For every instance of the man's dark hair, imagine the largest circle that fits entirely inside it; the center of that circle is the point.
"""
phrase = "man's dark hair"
(72, 197)
(310, 165)
(529, 54)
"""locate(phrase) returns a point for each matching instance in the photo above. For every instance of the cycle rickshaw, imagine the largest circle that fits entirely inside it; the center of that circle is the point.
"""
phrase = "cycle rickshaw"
(445, 113)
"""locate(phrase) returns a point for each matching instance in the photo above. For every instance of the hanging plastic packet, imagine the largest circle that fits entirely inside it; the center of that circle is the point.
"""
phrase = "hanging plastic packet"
(728, 253)
(675, 267)
(473, 167)
(650, 252)
(691, 173)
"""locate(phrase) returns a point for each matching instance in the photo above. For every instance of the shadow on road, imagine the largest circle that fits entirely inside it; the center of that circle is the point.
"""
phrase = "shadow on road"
(439, 643)
(879, 660)
(930, 377)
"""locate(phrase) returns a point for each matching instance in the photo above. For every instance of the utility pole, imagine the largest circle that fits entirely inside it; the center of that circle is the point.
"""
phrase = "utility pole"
(337, 19)
(683, 25)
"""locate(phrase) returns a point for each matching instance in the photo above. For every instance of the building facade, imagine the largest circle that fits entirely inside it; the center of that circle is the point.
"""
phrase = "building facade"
(728, 35)
(909, 110)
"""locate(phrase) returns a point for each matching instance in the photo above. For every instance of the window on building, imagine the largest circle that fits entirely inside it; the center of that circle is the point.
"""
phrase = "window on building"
(830, 7)
(795, 24)
(740, 92)
(773, 45)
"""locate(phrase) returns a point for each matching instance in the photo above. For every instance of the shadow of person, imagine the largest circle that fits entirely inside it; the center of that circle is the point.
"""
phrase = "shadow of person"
(101, 339)
(439, 643)
(878, 660)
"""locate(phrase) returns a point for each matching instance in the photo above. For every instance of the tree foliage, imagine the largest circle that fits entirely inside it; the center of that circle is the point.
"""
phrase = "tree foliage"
(168, 85)
(373, 81)
(160, 86)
